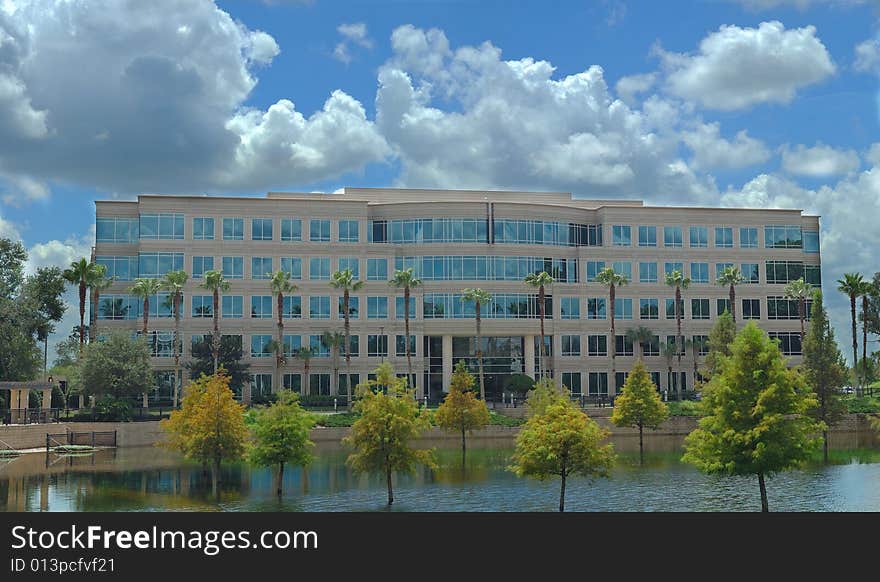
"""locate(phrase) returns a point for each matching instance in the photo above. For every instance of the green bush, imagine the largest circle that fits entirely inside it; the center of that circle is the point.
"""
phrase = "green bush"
(862, 405)
(496, 419)
(684, 408)
(337, 420)
(110, 408)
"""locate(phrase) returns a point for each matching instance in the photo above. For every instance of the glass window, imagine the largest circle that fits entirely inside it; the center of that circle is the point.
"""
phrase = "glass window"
(319, 230)
(623, 308)
(670, 308)
(700, 309)
(233, 229)
(647, 272)
(598, 384)
(319, 268)
(813, 275)
(203, 229)
(651, 347)
(377, 269)
(698, 236)
(399, 307)
(352, 264)
(668, 268)
(723, 237)
(593, 269)
(377, 346)
(722, 305)
(572, 381)
(597, 345)
(751, 309)
(200, 265)
(291, 307)
(751, 273)
(596, 308)
(261, 267)
(233, 267)
(699, 272)
(571, 345)
(748, 237)
(319, 384)
(647, 236)
(783, 237)
(623, 268)
(319, 307)
(156, 265)
(111, 229)
(231, 306)
(261, 229)
(119, 307)
(672, 236)
(811, 241)
(623, 346)
(789, 342)
(202, 306)
(260, 345)
(784, 272)
(649, 309)
(292, 265)
(622, 235)
(570, 308)
(261, 306)
(161, 226)
(319, 347)
(292, 343)
(353, 307)
(122, 268)
(348, 231)
(400, 345)
(377, 307)
(293, 382)
(291, 229)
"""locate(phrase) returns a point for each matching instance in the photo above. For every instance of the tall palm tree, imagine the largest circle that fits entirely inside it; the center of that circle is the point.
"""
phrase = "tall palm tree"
(612, 279)
(640, 335)
(678, 281)
(279, 284)
(406, 280)
(801, 291)
(344, 280)
(696, 345)
(334, 341)
(144, 289)
(668, 351)
(79, 274)
(731, 276)
(540, 281)
(867, 290)
(98, 281)
(305, 353)
(216, 284)
(174, 283)
(851, 285)
(479, 297)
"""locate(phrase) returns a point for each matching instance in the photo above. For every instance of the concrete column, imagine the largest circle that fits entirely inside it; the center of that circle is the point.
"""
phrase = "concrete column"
(15, 398)
(529, 356)
(47, 399)
(447, 362)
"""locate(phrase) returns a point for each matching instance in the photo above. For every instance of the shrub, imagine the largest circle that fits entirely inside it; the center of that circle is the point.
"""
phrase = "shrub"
(110, 408)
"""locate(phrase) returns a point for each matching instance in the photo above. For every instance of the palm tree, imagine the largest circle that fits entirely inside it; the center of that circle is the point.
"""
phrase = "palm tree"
(540, 281)
(280, 284)
(668, 351)
(612, 280)
(479, 297)
(146, 288)
(174, 283)
(696, 344)
(79, 274)
(867, 290)
(97, 282)
(800, 291)
(640, 335)
(216, 284)
(851, 285)
(344, 280)
(731, 276)
(334, 340)
(406, 280)
(305, 353)
(678, 281)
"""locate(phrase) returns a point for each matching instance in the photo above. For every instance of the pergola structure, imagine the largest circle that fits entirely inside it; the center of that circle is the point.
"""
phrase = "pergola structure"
(19, 396)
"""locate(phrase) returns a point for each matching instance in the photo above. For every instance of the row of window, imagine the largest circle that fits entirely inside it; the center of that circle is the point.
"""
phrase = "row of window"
(487, 268)
(446, 306)
(450, 230)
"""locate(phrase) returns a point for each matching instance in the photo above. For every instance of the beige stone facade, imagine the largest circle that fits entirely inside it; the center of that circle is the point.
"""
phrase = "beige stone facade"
(368, 207)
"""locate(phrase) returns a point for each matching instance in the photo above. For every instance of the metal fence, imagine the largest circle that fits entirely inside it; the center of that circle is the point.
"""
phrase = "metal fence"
(30, 415)
(91, 438)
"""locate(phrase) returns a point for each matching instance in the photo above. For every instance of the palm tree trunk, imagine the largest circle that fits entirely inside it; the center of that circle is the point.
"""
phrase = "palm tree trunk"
(864, 375)
(480, 354)
(146, 397)
(82, 316)
(93, 316)
(215, 340)
(612, 299)
(409, 376)
(801, 315)
(177, 349)
(855, 335)
(679, 340)
(345, 305)
(541, 315)
(279, 348)
(732, 293)
(307, 387)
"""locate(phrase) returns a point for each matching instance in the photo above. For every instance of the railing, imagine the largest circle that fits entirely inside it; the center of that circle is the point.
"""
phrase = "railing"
(136, 414)
(31, 415)
(92, 438)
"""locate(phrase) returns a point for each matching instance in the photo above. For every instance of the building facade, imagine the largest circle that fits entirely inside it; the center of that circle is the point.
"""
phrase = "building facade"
(453, 240)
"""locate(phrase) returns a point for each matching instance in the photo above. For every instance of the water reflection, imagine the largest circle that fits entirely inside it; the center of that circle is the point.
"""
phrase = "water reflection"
(150, 479)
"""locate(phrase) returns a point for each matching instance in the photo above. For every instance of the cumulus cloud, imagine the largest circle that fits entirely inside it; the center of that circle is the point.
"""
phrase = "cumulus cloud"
(819, 161)
(629, 87)
(867, 56)
(736, 68)
(711, 150)
(158, 107)
(513, 124)
(352, 34)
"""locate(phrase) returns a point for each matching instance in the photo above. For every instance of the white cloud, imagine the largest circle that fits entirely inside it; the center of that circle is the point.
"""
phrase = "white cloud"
(9, 230)
(819, 161)
(737, 68)
(352, 34)
(628, 87)
(872, 156)
(711, 150)
(868, 56)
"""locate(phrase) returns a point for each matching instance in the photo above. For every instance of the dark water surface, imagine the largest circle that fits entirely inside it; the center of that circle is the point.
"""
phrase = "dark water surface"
(151, 479)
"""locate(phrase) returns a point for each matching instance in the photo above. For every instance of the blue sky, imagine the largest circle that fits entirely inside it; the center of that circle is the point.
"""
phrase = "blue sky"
(712, 102)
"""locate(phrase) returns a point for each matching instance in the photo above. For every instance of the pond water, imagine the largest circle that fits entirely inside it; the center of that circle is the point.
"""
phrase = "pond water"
(151, 479)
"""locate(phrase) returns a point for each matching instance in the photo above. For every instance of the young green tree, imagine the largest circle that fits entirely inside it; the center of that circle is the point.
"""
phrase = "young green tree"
(461, 411)
(756, 414)
(43, 293)
(639, 405)
(281, 436)
(209, 426)
(542, 394)
(721, 337)
(118, 367)
(562, 441)
(824, 369)
(390, 419)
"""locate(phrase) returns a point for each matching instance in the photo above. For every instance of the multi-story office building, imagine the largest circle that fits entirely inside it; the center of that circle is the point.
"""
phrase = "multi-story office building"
(453, 240)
